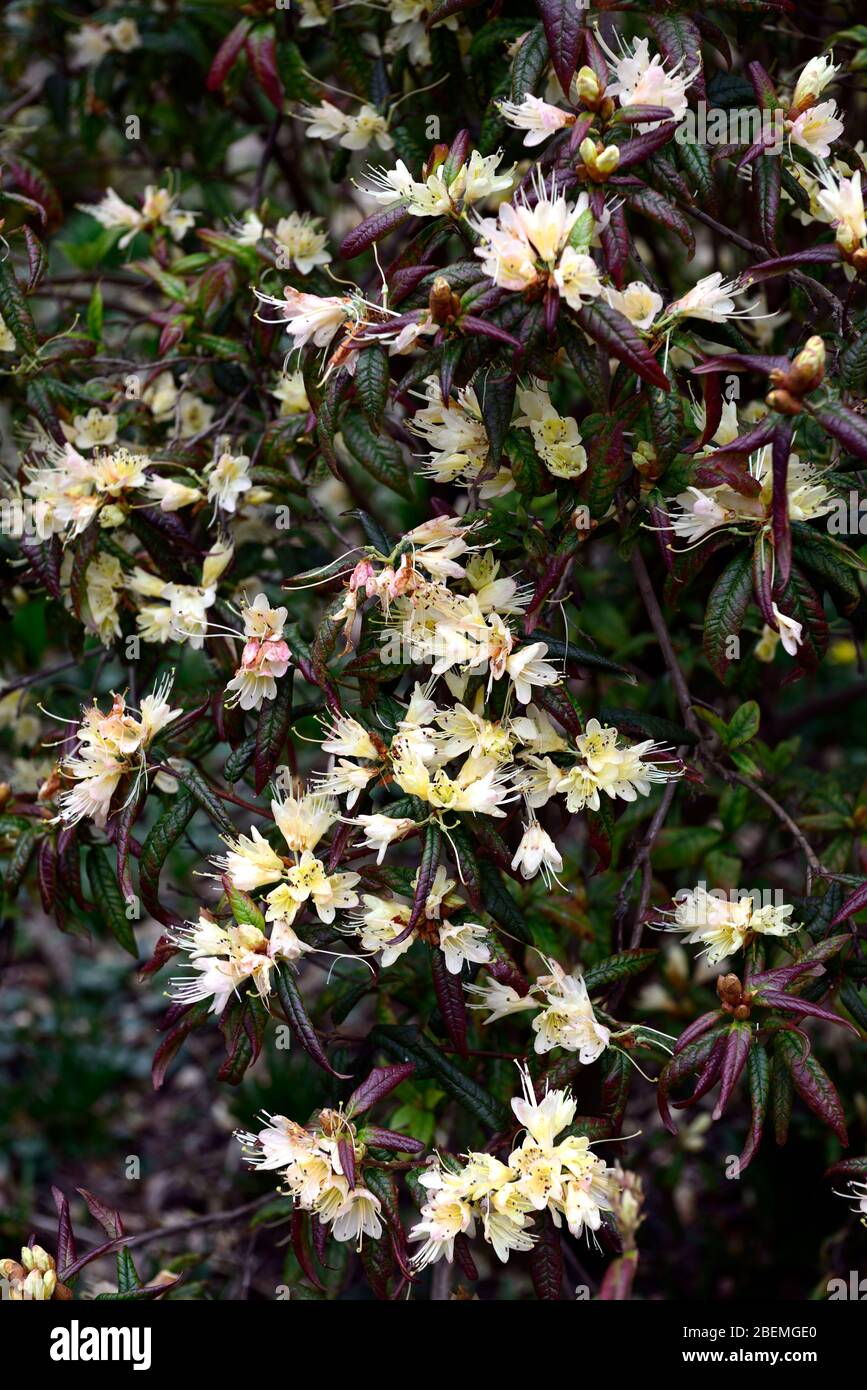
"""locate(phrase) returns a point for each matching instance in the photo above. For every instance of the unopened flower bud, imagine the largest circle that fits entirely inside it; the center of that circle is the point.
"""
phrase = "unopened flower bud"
(784, 402)
(728, 987)
(34, 1287)
(808, 368)
(644, 459)
(49, 1283)
(588, 88)
(443, 303)
(437, 156)
(587, 151)
(598, 162)
(608, 160)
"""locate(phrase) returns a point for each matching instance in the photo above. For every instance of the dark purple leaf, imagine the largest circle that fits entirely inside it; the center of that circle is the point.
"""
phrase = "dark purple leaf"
(380, 1083)
(620, 338)
(65, 1246)
(776, 999)
(378, 1138)
(782, 532)
(643, 146)
(226, 54)
(372, 229)
(564, 24)
(451, 1000)
(734, 1060)
(298, 1020)
(843, 424)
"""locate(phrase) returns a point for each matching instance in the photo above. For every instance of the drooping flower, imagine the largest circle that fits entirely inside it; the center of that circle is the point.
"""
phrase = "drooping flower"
(537, 851)
(842, 202)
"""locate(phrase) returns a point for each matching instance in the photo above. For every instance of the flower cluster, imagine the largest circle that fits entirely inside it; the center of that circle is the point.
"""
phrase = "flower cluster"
(565, 1178)
(318, 1165)
(33, 1278)
(723, 924)
(111, 747)
(566, 1018)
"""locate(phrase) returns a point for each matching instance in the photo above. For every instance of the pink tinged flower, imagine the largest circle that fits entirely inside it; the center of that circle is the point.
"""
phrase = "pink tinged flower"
(537, 117)
(644, 81)
(711, 299)
(310, 317)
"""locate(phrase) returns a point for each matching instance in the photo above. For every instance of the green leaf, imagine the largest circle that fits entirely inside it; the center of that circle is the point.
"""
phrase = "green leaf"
(371, 383)
(621, 966)
(406, 1044)
(638, 722)
(500, 904)
(497, 400)
(240, 759)
(297, 1017)
(127, 1278)
(14, 309)
(109, 899)
(744, 724)
(192, 779)
(163, 835)
(853, 365)
(272, 730)
(682, 846)
(829, 560)
(529, 63)
(606, 462)
(726, 609)
(666, 421)
(377, 453)
(527, 469)
(759, 1083)
(95, 314)
(244, 909)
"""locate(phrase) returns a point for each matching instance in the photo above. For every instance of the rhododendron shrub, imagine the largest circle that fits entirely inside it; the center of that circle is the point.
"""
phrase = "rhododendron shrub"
(433, 573)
